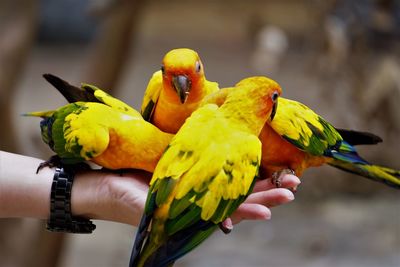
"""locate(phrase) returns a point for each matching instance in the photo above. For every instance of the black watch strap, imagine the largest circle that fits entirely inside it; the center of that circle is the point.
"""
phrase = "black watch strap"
(61, 219)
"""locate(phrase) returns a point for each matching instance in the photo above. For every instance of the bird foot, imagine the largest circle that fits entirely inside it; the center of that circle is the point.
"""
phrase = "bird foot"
(277, 176)
(53, 161)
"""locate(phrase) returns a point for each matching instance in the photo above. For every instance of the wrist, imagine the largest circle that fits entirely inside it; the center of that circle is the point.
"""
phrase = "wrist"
(84, 195)
(109, 196)
(61, 218)
(94, 196)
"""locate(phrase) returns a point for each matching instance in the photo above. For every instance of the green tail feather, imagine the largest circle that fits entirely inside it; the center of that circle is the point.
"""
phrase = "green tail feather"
(377, 173)
(175, 246)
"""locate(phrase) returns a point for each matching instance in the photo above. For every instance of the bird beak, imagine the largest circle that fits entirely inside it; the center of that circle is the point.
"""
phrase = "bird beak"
(182, 86)
(273, 112)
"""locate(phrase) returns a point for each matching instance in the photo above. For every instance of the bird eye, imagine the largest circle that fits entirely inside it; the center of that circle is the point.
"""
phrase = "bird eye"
(162, 69)
(198, 66)
(275, 96)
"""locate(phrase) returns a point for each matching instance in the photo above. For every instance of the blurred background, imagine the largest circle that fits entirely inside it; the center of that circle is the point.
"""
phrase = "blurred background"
(339, 57)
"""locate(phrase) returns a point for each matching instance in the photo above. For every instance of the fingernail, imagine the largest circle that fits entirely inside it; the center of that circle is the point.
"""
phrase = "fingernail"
(228, 223)
(289, 194)
(297, 180)
(267, 216)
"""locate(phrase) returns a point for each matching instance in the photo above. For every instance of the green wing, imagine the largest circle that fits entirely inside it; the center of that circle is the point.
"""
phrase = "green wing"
(203, 176)
(74, 136)
(206, 166)
(305, 129)
(151, 96)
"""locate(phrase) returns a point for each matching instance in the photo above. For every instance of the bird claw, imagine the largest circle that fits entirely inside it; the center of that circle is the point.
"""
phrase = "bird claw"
(53, 161)
(277, 177)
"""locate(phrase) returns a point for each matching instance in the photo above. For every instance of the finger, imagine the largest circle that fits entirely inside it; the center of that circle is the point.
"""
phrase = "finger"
(288, 181)
(250, 211)
(272, 197)
(228, 224)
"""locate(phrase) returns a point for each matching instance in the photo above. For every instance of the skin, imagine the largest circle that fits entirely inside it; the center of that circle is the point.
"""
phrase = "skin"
(109, 196)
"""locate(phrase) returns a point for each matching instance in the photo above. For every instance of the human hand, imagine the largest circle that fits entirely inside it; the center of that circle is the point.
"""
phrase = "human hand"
(265, 195)
(110, 196)
(121, 198)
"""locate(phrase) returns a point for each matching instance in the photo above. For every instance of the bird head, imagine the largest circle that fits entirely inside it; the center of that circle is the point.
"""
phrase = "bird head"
(183, 73)
(264, 91)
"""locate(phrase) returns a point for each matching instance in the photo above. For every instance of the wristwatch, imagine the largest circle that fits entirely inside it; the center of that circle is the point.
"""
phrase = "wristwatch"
(61, 219)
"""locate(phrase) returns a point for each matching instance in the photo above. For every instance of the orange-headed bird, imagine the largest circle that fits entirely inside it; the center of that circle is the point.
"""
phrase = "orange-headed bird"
(298, 139)
(176, 90)
(101, 129)
(207, 171)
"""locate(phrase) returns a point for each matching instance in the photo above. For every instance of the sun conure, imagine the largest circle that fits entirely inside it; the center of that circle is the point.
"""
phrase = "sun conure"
(164, 92)
(176, 90)
(101, 129)
(207, 171)
(298, 139)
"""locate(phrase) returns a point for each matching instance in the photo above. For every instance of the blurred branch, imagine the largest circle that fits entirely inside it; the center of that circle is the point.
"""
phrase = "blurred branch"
(17, 30)
(114, 42)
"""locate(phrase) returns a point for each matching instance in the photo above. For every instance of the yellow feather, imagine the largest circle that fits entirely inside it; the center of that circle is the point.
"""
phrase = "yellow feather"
(90, 129)
(43, 114)
(153, 90)
(113, 102)
(290, 120)
(213, 160)
(114, 139)
(195, 169)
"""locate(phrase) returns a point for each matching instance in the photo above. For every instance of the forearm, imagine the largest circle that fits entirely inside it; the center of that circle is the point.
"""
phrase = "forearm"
(95, 194)
(23, 193)
(103, 195)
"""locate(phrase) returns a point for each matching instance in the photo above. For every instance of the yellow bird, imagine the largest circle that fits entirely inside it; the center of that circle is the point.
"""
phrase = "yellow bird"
(104, 130)
(207, 171)
(176, 90)
(298, 138)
